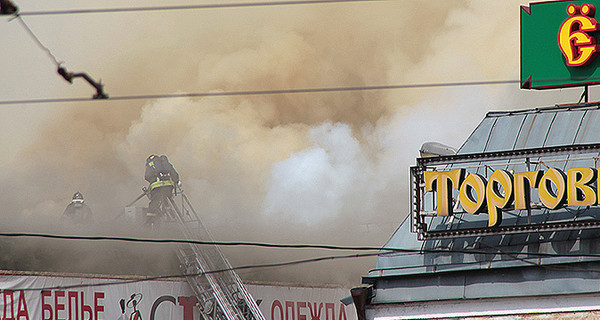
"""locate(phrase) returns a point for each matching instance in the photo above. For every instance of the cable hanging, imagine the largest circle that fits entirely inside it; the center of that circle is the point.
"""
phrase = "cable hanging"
(98, 85)
(174, 276)
(36, 39)
(382, 250)
(8, 8)
(193, 7)
(266, 92)
(247, 267)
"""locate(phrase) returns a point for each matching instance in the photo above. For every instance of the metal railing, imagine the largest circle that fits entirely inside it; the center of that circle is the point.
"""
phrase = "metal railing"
(220, 292)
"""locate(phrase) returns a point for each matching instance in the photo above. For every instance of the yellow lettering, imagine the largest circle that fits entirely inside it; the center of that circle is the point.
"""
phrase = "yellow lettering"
(579, 191)
(501, 181)
(551, 199)
(577, 46)
(524, 181)
(555, 188)
(444, 183)
(473, 204)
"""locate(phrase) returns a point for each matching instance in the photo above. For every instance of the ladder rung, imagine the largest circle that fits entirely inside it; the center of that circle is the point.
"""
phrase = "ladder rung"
(223, 291)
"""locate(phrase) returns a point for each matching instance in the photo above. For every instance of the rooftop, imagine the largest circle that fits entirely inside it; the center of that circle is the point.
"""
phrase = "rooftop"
(514, 141)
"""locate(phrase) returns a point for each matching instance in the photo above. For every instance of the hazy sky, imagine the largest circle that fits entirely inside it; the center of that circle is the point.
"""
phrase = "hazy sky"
(327, 168)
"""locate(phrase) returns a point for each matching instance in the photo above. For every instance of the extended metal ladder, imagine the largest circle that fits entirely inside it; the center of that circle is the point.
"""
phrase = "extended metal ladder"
(221, 295)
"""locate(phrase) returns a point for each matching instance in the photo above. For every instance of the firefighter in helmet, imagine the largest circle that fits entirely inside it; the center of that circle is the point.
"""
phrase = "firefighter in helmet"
(162, 178)
(77, 210)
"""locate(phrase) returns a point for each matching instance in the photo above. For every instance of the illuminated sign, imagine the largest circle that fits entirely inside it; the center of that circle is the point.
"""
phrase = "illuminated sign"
(559, 44)
(507, 190)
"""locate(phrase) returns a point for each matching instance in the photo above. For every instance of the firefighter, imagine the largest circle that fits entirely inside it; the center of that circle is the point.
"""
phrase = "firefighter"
(162, 178)
(77, 210)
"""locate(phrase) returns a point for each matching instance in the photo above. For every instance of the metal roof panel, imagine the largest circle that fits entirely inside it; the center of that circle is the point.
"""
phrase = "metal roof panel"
(505, 131)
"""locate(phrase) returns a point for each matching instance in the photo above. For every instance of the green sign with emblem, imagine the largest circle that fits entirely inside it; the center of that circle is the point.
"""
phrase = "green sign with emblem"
(559, 44)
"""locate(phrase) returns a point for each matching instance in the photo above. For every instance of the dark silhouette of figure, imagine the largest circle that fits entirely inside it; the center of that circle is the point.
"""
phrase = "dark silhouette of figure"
(77, 210)
(162, 178)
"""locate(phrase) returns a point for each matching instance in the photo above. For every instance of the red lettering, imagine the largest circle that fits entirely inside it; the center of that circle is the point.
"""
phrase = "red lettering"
(46, 306)
(85, 309)
(23, 312)
(342, 315)
(171, 299)
(289, 305)
(315, 314)
(188, 303)
(9, 315)
(276, 304)
(98, 308)
(73, 305)
(299, 306)
(329, 306)
(58, 306)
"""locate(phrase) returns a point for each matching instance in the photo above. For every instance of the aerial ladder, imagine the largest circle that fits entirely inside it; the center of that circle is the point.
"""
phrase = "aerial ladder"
(219, 290)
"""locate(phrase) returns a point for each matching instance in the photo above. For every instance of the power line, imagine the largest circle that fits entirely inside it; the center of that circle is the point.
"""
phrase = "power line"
(191, 7)
(246, 267)
(162, 277)
(199, 242)
(37, 40)
(68, 76)
(385, 250)
(265, 92)
(390, 251)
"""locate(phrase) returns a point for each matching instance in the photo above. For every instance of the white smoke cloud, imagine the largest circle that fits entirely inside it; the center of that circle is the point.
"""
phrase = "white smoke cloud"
(311, 186)
(340, 176)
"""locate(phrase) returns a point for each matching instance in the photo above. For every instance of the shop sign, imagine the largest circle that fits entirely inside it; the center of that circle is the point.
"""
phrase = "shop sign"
(505, 190)
(559, 44)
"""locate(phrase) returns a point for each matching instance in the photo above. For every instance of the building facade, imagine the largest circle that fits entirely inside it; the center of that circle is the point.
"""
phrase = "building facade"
(507, 228)
(52, 296)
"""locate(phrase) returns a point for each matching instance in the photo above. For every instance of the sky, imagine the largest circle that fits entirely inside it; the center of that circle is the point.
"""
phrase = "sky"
(306, 168)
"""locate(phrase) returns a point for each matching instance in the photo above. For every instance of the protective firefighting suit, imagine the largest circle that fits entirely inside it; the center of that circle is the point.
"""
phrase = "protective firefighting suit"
(162, 178)
(77, 211)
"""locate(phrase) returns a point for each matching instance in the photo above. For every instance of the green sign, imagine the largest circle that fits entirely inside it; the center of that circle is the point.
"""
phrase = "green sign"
(559, 44)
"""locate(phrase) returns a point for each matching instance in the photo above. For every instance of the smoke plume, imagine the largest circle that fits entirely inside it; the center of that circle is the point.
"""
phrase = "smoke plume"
(328, 168)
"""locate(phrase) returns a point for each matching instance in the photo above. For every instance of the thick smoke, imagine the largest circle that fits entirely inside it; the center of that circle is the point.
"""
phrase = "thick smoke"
(299, 168)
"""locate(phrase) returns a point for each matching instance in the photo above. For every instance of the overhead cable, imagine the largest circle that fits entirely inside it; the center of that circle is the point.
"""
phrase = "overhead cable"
(265, 92)
(191, 7)
(383, 250)
(246, 267)
(199, 242)
(173, 276)
(68, 76)
(37, 40)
